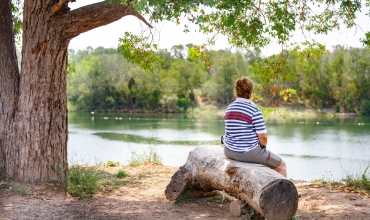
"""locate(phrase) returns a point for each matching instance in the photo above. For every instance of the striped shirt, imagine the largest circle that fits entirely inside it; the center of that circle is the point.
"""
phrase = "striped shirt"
(243, 121)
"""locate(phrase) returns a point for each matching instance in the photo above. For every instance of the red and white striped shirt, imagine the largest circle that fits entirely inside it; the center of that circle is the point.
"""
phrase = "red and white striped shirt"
(243, 121)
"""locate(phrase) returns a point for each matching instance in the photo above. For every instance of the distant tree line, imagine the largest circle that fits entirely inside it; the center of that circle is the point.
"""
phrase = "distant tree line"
(103, 79)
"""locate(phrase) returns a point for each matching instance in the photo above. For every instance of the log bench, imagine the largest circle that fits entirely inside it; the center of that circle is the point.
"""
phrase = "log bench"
(264, 189)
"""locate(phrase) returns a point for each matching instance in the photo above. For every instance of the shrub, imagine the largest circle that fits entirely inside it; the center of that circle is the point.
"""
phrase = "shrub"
(112, 164)
(121, 174)
(82, 182)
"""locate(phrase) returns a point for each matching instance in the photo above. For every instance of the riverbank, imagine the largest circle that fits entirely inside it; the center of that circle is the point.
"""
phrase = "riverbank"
(286, 111)
(141, 196)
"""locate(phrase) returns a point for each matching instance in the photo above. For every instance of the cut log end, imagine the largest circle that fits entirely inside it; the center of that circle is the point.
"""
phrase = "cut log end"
(283, 206)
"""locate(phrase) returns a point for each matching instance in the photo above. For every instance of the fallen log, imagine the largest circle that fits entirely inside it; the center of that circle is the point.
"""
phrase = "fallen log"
(264, 189)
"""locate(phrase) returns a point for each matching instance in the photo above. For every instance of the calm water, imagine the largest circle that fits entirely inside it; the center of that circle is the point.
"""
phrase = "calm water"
(313, 148)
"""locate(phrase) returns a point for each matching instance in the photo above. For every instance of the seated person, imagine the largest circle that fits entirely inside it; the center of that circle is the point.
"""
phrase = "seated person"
(245, 136)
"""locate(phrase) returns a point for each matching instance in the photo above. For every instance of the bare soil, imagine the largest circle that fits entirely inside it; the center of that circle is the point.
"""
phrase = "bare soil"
(142, 197)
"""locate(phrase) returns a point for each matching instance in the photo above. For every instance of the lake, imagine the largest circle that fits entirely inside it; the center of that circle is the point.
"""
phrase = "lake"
(315, 148)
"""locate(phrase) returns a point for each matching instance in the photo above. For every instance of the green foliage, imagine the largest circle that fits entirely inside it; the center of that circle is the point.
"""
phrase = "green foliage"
(70, 68)
(365, 107)
(136, 50)
(121, 174)
(112, 164)
(248, 23)
(183, 197)
(105, 80)
(366, 41)
(361, 183)
(82, 182)
(199, 53)
(222, 196)
(286, 94)
(19, 189)
(249, 212)
(17, 14)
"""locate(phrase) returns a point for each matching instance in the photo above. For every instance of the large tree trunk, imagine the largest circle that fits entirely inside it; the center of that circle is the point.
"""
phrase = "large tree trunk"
(36, 133)
(9, 79)
(267, 191)
(38, 149)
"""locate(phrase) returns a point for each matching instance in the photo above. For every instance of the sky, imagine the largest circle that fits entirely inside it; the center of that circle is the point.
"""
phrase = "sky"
(169, 34)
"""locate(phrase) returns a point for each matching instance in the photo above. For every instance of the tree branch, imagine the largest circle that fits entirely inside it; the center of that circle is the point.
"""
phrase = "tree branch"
(95, 15)
(59, 5)
(140, 17)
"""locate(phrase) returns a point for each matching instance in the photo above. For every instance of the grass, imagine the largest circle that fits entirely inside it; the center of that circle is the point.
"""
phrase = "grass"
(17, 188)
(20, 189)
(121, 174)
(83, 181)
(361, 183)
(86, 181)
(358, 183)
(146, 157)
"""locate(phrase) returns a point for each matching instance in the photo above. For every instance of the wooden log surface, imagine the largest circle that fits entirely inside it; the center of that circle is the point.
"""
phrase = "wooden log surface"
(264, 189)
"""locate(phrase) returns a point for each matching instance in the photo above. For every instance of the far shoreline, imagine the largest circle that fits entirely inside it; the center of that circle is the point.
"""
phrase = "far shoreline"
(289, 112)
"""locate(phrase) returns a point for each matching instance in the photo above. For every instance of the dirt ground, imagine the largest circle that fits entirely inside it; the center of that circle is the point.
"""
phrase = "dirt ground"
(142, 197)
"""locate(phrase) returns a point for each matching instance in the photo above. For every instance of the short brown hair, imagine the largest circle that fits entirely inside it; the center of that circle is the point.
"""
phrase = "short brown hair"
(244, 87)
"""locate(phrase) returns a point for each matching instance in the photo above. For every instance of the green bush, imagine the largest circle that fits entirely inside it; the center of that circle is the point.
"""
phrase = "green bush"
(121, 174)
(82, 182)
(112, 164)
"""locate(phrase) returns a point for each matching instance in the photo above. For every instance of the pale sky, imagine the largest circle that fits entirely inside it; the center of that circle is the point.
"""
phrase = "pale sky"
(168, 34)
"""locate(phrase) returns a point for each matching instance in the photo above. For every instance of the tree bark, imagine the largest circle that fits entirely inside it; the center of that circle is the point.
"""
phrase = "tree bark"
(37, 146)
(267, 191)
(9, 79)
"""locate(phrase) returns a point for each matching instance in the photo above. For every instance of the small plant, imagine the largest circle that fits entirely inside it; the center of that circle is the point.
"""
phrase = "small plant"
(361, 183)
(112, 164)
(82, 182)
(141, 159)
(222, 196)
(326, 182)
(182, 198)
(249, 213)
(121, 174)
(21, 190)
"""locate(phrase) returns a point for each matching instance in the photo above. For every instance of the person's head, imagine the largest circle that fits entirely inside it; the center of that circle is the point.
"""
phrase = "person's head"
(244, 87)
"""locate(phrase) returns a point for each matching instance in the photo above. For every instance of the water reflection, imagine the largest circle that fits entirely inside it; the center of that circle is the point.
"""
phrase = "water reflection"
(313, 148)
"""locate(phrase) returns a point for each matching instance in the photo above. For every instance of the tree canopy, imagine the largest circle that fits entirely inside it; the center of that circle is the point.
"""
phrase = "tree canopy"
(254, 24)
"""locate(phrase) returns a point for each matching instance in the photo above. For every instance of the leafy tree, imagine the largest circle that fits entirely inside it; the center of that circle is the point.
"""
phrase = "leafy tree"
(34, 138)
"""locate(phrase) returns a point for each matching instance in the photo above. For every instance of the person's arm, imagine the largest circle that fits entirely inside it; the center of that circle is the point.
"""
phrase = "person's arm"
(263, 139)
